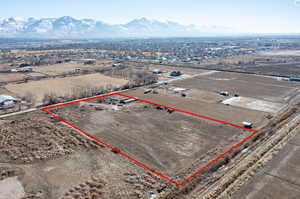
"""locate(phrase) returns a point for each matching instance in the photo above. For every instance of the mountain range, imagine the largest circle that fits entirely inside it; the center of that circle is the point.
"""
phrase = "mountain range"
(69, 27)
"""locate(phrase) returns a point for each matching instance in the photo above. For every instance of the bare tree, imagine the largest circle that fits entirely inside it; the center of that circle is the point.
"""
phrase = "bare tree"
(50, 98)
(29, 97)
(144, 78)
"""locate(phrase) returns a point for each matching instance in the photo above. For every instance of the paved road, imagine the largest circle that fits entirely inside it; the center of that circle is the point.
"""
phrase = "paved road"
(18, 113)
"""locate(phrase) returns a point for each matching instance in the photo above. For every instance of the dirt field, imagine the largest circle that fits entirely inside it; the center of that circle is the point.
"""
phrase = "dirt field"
(6, 77)
(43, 158)
(265, 88)
(167, 142)
(204, 104)
(39, 151)
(286, 69)
(37, 138)
(4, 91)
(279, 179)
(68, 67)
(277, 62)
(87, 174)
(63, 86)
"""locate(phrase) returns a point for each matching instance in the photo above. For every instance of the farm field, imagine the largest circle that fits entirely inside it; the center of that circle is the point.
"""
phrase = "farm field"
(63, 86)
(169, 118)
(265, 88)
(169, 142)
(208, 105)
(7, 77)
(42, 151)
(275, 62)
(286, 69)
(57, 69)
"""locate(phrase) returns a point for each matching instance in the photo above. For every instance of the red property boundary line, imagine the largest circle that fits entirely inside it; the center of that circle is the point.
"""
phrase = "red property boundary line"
(254, 132)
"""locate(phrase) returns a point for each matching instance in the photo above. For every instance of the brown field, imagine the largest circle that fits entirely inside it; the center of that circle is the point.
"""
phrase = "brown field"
(167, 142)
(63, 86)
(42, 157)
(280, 178)
(276, 62)
(204, 103)
(286, 69)
(42, 151)
(265, 88)
(68, 67)
(7, 77)
(4, 91)
(4, 66)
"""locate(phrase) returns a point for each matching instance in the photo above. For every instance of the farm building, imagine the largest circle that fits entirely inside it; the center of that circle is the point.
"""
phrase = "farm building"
(89, 61)
(294, 79)
(127, 101)
(175, 74)
(178, 90)
(7, 101)
(77, 70)
(157, 71)
(224, 93)
(25, 70)
(147, 91)
(248, 125)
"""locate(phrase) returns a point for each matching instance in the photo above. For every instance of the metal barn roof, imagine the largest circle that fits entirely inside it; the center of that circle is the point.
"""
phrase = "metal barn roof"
(6, 98)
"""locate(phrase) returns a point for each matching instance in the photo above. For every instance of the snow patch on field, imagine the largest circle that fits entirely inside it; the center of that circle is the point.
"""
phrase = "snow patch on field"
(254, 104)
(11, 188)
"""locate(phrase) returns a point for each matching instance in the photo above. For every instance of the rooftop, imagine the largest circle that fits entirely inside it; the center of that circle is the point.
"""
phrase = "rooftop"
(5, 98)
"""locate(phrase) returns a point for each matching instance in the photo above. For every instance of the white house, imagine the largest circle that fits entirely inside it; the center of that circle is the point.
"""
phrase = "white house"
(7, 101)
(156, 71)
(248, 125)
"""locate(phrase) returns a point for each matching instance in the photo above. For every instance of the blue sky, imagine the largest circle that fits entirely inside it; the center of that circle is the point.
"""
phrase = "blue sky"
(257, 16)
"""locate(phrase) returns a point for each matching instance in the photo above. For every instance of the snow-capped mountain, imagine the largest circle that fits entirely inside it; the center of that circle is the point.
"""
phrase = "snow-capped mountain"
(68, 27)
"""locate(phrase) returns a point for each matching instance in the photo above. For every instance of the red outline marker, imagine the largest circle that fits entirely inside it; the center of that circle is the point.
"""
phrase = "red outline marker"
(45, 109)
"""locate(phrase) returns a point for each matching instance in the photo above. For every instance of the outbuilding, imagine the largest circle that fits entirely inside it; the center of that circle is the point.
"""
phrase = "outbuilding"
(248, 125)
(7, 102)
(89, 61)
(146, 91)
(224, 93)
(178, 90)
(127, 101)
(175, 74)
(156, 71)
